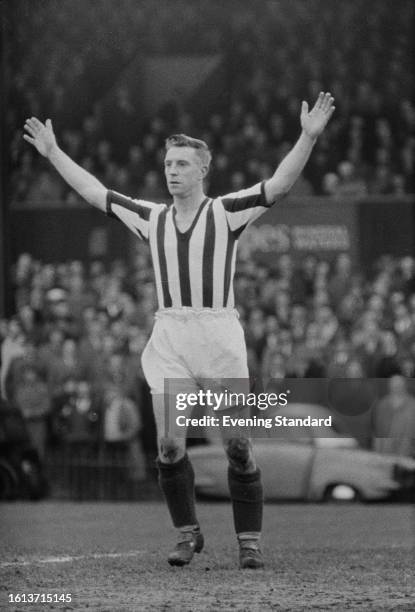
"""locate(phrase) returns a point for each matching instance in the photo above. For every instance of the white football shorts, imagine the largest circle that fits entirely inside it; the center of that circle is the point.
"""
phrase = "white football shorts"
(195, 346)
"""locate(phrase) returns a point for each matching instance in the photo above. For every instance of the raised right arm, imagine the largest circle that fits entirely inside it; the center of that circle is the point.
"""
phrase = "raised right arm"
(42, 137)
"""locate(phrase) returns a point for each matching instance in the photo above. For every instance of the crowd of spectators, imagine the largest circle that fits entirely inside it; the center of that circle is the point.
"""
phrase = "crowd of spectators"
(276, 54)
(71, 354)
(70, 360)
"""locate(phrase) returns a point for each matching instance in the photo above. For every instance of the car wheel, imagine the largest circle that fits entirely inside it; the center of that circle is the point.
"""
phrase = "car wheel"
(34, 485)
(8, 481)
(341, 493)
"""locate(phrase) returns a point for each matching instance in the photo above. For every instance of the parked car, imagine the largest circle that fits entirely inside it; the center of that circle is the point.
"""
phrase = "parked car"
(310, 463)
(21, 471)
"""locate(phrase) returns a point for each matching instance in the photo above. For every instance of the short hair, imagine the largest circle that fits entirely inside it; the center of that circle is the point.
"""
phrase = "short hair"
(200, 146)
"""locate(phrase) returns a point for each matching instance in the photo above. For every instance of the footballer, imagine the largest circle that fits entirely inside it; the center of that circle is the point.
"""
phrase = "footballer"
(197, 335)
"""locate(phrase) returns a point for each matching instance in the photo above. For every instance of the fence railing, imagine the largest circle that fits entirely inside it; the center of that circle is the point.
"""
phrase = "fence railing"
(108, 473)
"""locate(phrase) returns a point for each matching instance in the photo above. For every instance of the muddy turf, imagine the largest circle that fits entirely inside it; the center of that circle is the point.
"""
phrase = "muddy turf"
(112, 557)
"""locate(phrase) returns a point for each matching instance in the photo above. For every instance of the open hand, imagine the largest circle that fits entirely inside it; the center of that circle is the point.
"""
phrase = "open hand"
(314, 122)
(40, 135)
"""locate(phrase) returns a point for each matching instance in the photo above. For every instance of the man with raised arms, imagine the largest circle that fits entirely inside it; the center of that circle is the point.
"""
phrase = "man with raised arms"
(197, 335)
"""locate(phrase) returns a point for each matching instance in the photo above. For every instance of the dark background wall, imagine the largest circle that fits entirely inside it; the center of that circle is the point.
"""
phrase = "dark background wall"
(366, 229)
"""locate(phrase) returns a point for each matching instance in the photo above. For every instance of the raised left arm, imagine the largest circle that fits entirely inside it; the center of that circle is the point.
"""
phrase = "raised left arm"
(313, 123)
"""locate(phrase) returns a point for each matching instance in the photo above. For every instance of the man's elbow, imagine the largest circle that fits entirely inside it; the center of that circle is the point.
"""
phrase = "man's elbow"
(276, 192)
(96, 197)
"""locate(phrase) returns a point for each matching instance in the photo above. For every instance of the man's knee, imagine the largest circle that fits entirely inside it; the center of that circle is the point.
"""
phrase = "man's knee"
(171, 450)
(240, 454)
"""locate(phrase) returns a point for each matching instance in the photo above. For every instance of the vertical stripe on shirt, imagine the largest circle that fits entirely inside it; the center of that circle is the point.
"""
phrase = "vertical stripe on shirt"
(230, 248)
(231, 296)
(183, 258)
(219, 253)
(197, 244)
(208, 253)
(172, 261)
(155, 254)
(161, 232)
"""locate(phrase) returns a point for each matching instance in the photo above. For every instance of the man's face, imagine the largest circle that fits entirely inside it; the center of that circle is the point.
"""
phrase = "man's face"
(183, 170)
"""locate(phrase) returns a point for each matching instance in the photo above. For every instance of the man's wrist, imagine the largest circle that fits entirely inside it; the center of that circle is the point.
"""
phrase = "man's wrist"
(307, 138)
(51, 156)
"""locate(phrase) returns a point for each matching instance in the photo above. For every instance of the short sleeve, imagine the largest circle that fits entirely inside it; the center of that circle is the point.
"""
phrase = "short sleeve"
(244, 206)
(135, 214)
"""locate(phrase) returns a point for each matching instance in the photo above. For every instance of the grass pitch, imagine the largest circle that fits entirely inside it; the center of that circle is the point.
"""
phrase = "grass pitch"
(112, 557)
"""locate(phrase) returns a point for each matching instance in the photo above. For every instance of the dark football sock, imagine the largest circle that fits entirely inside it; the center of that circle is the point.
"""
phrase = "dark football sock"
(177, 483)
(247, 500)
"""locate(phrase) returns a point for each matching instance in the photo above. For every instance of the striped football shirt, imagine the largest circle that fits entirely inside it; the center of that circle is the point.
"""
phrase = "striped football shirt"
(193, 268)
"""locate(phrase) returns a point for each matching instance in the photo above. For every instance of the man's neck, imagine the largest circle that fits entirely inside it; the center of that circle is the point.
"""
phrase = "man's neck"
(189, 204)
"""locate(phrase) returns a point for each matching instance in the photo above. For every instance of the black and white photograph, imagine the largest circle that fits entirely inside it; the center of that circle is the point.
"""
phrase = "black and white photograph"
(207, 305)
